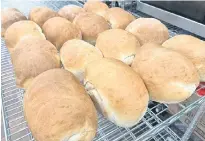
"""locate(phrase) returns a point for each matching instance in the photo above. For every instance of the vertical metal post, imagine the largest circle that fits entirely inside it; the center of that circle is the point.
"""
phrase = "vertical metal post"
(113, 4)
(122, 4)
(193, 123)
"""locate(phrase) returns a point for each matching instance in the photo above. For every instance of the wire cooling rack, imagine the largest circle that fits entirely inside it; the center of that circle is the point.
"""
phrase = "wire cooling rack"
(153, 127)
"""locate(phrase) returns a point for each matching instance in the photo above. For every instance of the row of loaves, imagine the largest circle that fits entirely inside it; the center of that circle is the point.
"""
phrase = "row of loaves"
(57, 106)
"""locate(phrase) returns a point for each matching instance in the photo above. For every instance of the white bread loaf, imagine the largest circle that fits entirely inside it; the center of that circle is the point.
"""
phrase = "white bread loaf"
(41, 14)
(58, 30)
(192, 48)
(21, 30)
(8, 17)
(70, 11)
(118, 17)
(76, 54)
(96, 7)
(118, 44)
(148, 30)
(31, 57)
(117, 90)
(169, 76)
(91, 25)
(57, 108)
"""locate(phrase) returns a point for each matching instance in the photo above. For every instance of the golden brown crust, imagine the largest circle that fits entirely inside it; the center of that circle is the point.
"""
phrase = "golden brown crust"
(57, 108)
(148, 30)
(70, 11)
(8, 17)
(192, 48)
(58, 30)
(31, 57)
(118, 44)
(122, 92)
(118, 17)
(169, 76)
(76, 54)
(41, 14)
(21, 30)
(96, 7)
(91, 25)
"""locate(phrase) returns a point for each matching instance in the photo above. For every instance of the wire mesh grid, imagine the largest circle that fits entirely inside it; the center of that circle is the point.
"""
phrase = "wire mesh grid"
(153, 126)
(17, 130)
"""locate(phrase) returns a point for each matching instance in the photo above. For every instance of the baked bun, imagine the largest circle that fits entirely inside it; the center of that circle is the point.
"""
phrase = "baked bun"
(148, 30)
(118, 44)
(117, 90)
(41, 14)
(169, 76)
(31, 57)
(21, 30)
(57, 108)
(192, 48)
(76, 54)
(118, 17)
(70, 11)
(8, 17)
(91, 25)
(96, 7)
(58, 30)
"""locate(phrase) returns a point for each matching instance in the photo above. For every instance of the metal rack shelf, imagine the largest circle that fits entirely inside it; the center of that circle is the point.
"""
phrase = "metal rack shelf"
(153, 127)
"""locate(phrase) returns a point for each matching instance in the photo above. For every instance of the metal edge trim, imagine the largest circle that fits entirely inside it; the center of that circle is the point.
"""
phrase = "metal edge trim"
(194, 122)
(182, 22)
(170, 120)
(3, 119)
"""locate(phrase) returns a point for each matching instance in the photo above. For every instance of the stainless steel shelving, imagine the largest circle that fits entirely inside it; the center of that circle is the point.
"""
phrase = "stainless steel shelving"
(153, 127)
(174, 19)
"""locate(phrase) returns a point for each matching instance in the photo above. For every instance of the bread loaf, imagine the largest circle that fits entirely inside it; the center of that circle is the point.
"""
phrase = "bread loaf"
(76, 54)
(31, 57)
(117, 91)
(91, 25)
(118, 17)
(148, 30)
(96, 7)
(192, 48)
(118, 44)
(8, 17)
(21, 30)
(70, 11)
(58, 30)
(41, 14)
(57, 108)
(169, 76)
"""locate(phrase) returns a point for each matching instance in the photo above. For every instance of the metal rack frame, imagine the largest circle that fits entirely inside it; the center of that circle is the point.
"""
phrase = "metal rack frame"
(174, 19)
(153, 126)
